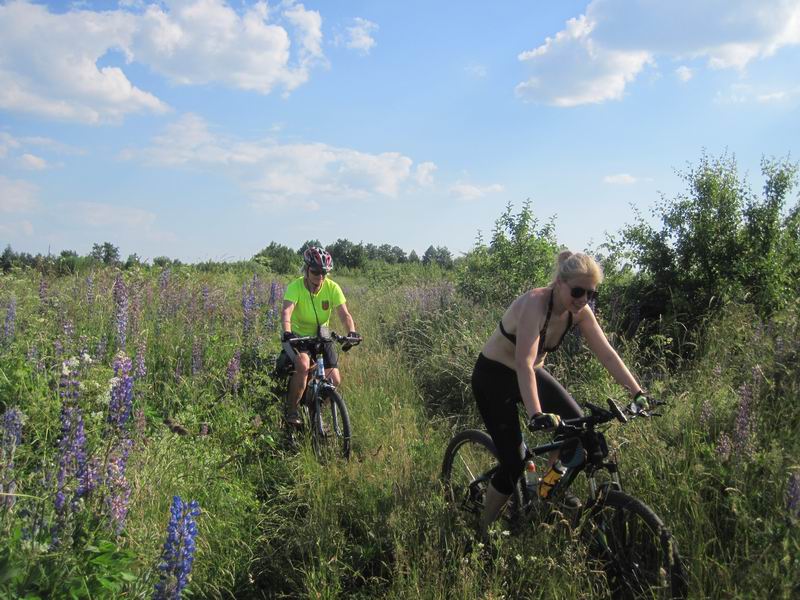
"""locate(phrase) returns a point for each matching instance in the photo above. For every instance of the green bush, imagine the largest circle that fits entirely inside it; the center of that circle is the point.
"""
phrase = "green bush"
(520, 256)
(717, 243)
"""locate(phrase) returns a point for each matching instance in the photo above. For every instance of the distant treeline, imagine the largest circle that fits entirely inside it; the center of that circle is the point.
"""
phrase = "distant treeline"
(718, 241)
(275, 257)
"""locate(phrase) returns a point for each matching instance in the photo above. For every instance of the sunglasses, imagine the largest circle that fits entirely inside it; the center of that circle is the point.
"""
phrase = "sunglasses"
(578, 292)
(317, 273)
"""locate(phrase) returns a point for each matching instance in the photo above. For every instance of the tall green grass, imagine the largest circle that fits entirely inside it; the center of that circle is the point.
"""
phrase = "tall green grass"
(277, 524)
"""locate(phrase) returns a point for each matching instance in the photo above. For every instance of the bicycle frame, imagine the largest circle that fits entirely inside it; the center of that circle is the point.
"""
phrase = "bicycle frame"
(580, 435)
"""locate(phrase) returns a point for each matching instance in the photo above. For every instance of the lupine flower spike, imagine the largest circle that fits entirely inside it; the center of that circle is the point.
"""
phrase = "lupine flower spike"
(178, 553)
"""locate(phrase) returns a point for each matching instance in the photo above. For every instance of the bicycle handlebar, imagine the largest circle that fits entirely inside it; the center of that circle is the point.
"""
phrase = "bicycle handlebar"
(309, 340)
(601, 415)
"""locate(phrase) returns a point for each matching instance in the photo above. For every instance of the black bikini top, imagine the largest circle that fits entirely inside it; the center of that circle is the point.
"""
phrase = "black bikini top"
(543, 333)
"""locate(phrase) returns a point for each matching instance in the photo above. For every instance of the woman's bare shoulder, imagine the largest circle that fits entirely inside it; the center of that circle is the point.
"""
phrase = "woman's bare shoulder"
(533, 301)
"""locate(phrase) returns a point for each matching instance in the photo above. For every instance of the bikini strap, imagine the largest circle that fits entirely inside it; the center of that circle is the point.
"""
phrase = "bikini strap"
(543, 332)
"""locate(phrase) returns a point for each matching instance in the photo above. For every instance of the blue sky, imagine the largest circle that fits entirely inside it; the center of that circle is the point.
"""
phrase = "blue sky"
(204, 129)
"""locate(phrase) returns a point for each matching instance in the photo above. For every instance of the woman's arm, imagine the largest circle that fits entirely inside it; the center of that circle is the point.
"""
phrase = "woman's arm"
(525, 353)
(608, 357)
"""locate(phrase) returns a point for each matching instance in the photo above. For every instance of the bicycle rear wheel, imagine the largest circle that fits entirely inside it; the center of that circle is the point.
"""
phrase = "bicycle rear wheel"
(634, 549)
(330, 433)
(470, 461)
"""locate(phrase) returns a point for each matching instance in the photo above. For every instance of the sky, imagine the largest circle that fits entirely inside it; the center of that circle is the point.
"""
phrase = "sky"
(206, 129)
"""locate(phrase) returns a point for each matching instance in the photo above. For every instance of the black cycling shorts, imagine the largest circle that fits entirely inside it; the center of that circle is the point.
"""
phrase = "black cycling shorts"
(328, 353)
(496, 391)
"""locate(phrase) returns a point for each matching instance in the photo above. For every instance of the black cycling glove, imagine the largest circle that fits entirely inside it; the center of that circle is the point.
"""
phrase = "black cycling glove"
(544, 422)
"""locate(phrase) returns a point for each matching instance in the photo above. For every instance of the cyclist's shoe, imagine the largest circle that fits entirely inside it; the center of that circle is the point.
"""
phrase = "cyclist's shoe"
(569, 501)
(292, 417)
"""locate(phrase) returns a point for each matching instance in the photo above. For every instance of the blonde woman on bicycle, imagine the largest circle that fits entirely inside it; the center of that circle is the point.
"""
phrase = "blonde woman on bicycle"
(510, 367)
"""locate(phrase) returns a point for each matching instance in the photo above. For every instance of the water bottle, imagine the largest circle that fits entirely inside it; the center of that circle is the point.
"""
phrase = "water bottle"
(531, 477)
(550, 480)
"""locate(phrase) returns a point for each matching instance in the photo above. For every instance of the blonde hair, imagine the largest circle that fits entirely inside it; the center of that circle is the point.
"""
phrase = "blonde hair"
(577, 264)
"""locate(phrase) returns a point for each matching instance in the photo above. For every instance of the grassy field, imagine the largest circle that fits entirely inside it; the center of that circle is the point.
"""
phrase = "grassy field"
(721, 467)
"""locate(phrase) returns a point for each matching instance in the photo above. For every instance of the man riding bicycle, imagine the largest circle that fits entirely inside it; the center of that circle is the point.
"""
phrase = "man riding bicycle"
(307, 305)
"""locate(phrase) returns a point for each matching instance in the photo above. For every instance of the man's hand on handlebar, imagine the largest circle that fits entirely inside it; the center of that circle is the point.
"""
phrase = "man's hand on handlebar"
(288, 335)
(543, 422)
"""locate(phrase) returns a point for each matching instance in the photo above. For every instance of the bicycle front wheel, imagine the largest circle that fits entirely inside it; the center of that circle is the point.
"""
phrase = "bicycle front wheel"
(330, 434)
(634, 549)
(470, 461)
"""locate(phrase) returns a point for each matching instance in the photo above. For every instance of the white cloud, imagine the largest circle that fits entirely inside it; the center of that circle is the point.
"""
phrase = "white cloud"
(359, 35)
(98, 214)
(33, 162)
(17, 195)
(620, 179)
(7, 142)
(600, 52)
(206, 41)
(273, 172)
(477, 71)
(571, 69)
(469, 191)
(684, 73)
(13, 229)
(424, 173)
(743, 93)
(772, 97)
(50, 61)
(50, 66)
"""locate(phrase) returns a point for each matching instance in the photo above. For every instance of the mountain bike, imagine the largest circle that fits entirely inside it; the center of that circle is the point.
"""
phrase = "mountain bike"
(622, 535)
(323, 410)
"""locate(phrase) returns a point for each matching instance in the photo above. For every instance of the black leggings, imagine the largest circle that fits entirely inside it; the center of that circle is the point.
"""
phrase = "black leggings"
(497, 392)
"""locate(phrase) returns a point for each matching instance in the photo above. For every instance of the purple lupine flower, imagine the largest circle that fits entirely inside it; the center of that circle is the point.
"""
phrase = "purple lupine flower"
(140, 424)
(35, 359)
(102, 344)
(724, 447)
(178, 553)
(232, 372)
(58, 348)
(72, 442)
(119, 489)
(42, 291)
(83, 346)
(163, 280)
(141, 367)
(10, 321)
(197, 356)
(68, 328)
(706, 413)
(10, 438)
(249, 312)
(121, 305)
(206, 302)
(90, 290)
(90, 477)
(743, 427)
(121, 401)
(793, 495)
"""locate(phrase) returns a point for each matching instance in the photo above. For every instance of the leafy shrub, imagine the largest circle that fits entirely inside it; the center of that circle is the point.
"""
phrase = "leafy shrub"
(717, 243)
(520, 256)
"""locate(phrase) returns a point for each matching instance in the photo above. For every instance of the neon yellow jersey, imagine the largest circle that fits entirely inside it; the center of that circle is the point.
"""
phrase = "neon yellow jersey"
(310, 309)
